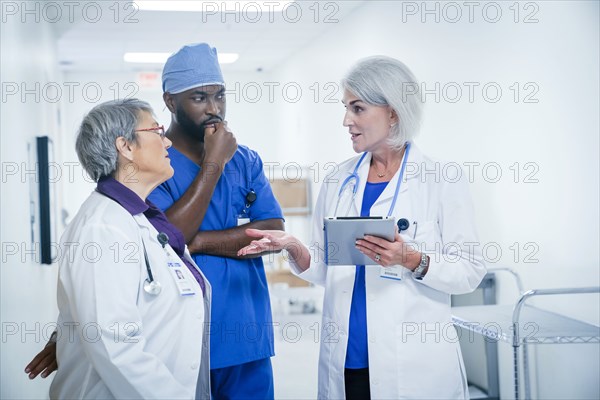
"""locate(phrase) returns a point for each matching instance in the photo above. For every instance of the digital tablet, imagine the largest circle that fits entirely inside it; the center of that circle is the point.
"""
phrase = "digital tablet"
(341, 234)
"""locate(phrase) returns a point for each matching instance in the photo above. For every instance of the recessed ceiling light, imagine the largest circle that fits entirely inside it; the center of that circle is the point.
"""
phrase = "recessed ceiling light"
(161, 58)
(213, 6)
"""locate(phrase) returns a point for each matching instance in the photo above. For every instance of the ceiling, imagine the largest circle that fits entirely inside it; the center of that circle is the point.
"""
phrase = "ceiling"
(97, 42)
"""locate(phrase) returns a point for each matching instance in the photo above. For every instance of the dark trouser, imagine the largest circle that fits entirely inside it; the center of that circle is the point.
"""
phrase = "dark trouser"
(356, 382)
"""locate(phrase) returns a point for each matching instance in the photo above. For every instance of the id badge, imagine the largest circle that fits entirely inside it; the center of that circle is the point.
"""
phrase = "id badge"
(393, 272)
(184, 285)
(243, 219)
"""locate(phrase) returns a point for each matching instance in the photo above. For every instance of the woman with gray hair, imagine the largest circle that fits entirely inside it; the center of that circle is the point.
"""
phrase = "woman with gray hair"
(129, 326)
(387, 331)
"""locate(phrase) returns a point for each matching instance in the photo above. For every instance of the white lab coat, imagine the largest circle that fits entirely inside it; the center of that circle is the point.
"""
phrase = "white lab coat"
(413, 347)
(114, 339)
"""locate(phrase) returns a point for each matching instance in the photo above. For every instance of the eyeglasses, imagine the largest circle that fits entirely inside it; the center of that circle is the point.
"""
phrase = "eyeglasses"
(159, 130)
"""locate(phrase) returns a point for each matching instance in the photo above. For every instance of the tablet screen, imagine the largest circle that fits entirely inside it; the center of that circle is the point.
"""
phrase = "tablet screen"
(341, 234)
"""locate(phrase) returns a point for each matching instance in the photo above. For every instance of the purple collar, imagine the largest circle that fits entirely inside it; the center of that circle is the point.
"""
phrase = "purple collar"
(126, 197)
(130, 201)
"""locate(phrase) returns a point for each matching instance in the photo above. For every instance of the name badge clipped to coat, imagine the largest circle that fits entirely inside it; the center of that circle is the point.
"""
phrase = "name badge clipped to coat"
(393, 272)
(184, 285)
(243, 217)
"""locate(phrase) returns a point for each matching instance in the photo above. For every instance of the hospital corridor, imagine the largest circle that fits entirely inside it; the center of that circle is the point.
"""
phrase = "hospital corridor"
(300, 199)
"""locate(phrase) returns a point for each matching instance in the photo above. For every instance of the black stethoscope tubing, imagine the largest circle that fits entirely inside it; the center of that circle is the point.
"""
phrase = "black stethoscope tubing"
(150, 285)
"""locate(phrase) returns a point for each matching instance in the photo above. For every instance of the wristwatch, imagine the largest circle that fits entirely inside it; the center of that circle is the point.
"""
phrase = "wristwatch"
(421, 269)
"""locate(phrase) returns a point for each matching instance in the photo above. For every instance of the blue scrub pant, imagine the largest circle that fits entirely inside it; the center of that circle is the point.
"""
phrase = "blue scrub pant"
(253, 380)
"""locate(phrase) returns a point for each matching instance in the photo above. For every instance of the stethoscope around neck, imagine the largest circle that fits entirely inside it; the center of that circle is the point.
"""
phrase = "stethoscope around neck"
(152, 286)
(354, 177)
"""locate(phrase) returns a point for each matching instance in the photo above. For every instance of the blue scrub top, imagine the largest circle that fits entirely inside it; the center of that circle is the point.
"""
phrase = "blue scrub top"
(357, 355)
(241, 328)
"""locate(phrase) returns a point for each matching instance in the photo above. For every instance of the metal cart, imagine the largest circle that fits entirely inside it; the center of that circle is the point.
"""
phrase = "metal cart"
(522, 324)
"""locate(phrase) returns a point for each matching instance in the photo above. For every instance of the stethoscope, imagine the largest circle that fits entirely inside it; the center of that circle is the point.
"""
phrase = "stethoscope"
(354, 176)
(150, 285)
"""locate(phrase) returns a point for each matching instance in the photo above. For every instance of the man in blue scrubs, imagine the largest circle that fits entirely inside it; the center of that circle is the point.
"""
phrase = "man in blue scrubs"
(218, 190)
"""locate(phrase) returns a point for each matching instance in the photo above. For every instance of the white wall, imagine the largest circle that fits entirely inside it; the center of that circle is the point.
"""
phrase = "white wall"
(28, 306)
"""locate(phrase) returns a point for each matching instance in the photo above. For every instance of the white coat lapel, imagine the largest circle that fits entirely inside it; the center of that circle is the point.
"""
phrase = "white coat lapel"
(143, 224)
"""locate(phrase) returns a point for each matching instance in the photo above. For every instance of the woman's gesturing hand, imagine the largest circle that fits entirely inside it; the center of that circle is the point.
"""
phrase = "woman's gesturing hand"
(271, 240)
(268, 241)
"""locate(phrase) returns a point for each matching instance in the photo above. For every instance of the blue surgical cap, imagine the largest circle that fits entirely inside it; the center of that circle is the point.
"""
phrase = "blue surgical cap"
(192, 66)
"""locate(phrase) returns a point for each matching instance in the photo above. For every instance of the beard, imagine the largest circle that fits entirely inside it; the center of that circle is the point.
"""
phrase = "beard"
(192, 128)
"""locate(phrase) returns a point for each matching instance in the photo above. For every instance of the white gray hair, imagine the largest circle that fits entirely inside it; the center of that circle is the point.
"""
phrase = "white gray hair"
(385, 81)
(99, 130)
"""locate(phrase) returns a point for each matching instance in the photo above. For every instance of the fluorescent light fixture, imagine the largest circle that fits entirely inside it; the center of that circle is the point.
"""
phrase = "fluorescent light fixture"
(148, 58)
(213, 6)
(161, 58)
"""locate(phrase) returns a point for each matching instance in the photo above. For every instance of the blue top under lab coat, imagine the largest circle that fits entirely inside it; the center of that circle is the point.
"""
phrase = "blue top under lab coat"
(357, 356)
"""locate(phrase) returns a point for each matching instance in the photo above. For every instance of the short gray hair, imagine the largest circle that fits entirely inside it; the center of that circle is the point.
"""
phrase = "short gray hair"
(100, 128)
(385, 81)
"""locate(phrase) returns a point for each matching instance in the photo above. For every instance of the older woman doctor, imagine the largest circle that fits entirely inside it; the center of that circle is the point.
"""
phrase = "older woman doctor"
(128, 327)
(388, 338)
